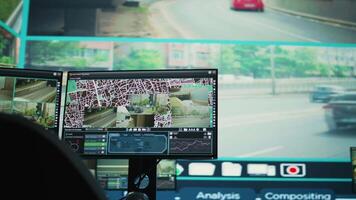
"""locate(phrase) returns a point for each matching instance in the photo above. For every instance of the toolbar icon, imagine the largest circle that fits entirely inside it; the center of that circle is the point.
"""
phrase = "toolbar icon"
(293, 170)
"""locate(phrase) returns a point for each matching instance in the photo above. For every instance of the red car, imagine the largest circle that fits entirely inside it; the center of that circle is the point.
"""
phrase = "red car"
(248, 5)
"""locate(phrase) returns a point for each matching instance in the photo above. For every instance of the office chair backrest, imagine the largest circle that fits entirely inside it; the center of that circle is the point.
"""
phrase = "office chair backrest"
(42, 165)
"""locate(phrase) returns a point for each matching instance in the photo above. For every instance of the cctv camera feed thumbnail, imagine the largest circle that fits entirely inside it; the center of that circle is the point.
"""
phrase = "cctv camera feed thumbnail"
(113, 174)
(152, 116)
(31, 94)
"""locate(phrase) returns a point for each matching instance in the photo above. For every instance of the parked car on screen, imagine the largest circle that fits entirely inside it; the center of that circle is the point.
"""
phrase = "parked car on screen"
(324, 93)
(341, 111)
(248, 5)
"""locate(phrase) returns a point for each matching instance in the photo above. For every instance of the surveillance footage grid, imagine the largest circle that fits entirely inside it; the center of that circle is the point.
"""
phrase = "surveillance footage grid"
(31, 96)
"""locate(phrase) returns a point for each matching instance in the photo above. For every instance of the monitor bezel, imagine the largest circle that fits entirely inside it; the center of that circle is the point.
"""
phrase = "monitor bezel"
(58, 107)
(353, 178)
(214, 154)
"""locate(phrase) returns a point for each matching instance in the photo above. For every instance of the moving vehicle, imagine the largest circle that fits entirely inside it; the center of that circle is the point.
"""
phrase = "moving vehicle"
(341, 111)
(324, 93)
(257, 5)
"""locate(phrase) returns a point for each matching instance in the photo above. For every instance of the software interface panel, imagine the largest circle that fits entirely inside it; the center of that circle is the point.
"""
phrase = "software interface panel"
(152, 113)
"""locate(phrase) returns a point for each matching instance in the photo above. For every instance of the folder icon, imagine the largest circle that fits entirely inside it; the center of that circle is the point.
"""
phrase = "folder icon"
(201, 169)
(231, 169)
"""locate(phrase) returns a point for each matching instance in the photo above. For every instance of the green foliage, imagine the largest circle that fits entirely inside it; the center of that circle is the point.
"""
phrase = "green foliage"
(141, 59)
(30, 112)
(247, 60)
(342, 71)
(3, 43)
(305, 62)
(299, 62)
(229, 63)
(6, 8)
(73, 62)
(47, 121)
(62, 54)
(6, 60)
(252, 60)
(100, 58)
(47, 51)
(143, 102)
(161, 109)
(140, 10)
(322, 70)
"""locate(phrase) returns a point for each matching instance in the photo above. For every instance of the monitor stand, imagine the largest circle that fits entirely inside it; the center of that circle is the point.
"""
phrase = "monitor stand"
(138, 167)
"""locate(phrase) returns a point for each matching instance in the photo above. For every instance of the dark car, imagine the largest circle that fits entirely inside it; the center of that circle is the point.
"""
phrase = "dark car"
(341, 111)
(324, 93)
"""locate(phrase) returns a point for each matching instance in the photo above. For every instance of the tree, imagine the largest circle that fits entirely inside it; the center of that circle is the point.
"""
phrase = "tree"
(297, 62)
(342, 71)
(228, 60)
(253, 60)
(305, 61)
(141, 59)
(6, 8)
(4, 59)
(284, 63)
(44, 51)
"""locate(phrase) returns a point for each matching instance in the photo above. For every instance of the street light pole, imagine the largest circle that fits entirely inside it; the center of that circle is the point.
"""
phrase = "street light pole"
(273, 75)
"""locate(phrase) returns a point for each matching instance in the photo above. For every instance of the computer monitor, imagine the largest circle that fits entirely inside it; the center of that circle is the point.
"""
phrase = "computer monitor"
(112, 174)
(33, 94)
(353, 160)
(155, 113)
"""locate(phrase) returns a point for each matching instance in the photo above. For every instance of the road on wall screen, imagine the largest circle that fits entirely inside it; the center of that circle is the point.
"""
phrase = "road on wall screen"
(251, 20)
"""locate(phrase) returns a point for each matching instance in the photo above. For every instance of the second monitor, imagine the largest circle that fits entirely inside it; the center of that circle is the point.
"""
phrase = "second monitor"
(163, 113)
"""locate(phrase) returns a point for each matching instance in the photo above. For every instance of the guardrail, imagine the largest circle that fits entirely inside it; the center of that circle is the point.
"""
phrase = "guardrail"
(334, 11)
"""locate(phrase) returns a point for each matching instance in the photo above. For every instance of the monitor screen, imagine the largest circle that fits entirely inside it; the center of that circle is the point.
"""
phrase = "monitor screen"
(33, 94)
(163, 113)
(112, 174)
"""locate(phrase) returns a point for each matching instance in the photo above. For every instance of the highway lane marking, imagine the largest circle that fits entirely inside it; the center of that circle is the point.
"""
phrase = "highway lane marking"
(263, 118)
(261, 152)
